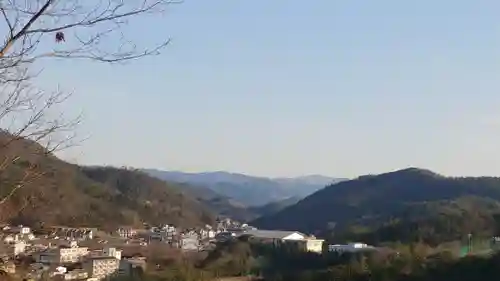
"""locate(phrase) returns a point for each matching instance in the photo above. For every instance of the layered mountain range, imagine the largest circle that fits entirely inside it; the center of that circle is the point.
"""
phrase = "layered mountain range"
(249, 190)
(244, 197)
(406, 205)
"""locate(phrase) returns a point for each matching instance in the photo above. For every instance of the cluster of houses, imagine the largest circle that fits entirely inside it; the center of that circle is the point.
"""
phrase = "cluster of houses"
(57, 253)
(73, 233)
(184, 239)
(64, 259)
(205, 238)
(193, 239)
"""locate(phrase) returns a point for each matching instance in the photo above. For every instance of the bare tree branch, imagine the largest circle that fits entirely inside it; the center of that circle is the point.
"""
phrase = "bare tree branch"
(30, 117)
(42, 29)
(98, 20)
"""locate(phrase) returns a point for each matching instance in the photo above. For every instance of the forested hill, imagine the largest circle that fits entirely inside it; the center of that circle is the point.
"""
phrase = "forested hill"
(413, 196)
(63, 193)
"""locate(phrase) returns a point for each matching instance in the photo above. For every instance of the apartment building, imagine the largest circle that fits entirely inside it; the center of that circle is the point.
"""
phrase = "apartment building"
(62, 255)
(101, 267)
(126, 232)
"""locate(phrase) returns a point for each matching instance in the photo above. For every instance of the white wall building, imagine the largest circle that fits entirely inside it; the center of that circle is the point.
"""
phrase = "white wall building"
(276, 235)
(19, 247)
(16, 248)
(62, 255)
(126, 232)
(350, 248)
(24, 230)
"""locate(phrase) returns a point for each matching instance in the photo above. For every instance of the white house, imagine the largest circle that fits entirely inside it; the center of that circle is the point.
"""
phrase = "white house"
(17, 248)
(25, 230)
(189, 241)
(126, 232)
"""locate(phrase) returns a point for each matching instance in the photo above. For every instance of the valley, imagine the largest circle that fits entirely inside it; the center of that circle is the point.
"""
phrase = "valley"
(201, 219)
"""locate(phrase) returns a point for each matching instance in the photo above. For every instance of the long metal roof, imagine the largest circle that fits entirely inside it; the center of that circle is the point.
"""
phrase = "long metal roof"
(270, 234)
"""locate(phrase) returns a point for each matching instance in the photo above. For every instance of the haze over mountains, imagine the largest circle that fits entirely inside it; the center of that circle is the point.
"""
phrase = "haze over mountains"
(406, 205)
(72, 195)
(249, 190)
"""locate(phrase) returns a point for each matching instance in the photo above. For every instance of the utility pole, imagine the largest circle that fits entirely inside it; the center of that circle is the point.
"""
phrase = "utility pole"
(469, 246)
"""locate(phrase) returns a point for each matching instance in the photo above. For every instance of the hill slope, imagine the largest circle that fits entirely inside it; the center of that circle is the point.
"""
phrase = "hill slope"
(433, 223)
(249, 190)
(95, 196)
(273, 207)
(378, 201)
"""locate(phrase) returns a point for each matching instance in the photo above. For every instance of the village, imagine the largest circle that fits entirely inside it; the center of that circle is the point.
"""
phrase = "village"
(90, 254)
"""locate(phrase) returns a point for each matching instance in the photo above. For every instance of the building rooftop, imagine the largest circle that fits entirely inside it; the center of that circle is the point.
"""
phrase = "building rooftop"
(271, 234)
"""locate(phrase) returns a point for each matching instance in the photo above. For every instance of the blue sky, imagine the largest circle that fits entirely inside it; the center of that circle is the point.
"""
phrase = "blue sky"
(285, 88)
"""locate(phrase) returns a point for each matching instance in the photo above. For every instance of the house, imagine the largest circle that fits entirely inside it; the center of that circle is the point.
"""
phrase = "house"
(170, 229)
(15, 248)
(189, 242)
(203, 233)
(11, 239)
(24, 230)
(74, 233)
(112, 252)
(76, 274)
(8, 267)
(126, 232)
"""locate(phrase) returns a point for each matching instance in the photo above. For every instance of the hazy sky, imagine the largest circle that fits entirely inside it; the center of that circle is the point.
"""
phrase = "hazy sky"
(289, 87)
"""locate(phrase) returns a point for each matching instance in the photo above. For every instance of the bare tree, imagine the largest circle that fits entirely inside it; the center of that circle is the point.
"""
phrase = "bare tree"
(36, 30)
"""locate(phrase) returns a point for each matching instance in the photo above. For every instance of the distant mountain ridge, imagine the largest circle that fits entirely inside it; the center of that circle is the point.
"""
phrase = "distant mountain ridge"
(249, 190)
(310, 179)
